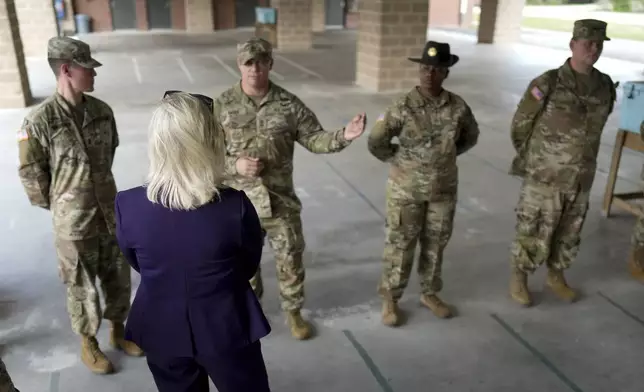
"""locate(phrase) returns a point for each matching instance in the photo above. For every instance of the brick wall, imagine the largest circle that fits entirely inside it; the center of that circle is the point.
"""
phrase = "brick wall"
(37, 21)
(444, 13)
(179, 15)
(294, 29)
(14, 83)
(225, 14)
(500, 21)
(390, 31)
(319, 15)
(99, 12)
(199, 16)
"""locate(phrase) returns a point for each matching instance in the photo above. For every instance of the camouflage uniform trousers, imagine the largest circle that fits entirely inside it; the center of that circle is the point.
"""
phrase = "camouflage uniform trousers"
(6, 385)
(286, 239)
(548, 229)
(409, 222)
(637, 242)
(81, 262)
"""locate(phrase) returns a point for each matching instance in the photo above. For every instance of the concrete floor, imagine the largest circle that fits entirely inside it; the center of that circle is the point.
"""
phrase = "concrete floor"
(595, 345)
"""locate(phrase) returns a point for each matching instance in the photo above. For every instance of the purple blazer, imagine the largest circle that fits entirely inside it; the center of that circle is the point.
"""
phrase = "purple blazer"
(194, 297)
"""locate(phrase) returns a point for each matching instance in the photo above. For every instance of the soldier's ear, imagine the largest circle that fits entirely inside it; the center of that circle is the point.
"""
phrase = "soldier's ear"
(64, 69)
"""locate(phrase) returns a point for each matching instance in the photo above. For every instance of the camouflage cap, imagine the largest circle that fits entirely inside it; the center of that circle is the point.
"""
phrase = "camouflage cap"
(592, 29)
(66, 48)
(254, 48)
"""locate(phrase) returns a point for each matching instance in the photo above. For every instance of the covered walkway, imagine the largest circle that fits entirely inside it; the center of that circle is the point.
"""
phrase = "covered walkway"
(388, 30)
(595, 345)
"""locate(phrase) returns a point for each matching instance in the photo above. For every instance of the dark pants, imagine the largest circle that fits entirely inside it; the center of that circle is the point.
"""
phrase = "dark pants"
(240, 371)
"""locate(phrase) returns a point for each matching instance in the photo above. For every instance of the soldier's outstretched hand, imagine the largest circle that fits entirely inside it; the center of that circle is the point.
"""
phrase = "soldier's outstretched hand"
(356, 127)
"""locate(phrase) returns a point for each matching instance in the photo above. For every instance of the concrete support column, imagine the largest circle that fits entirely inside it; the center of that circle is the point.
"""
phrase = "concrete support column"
(14, 82)
(500, 21)
(294, 24)
(467, 20)
(319, 15)
(199, 16)
(390, 31)
(37, 19)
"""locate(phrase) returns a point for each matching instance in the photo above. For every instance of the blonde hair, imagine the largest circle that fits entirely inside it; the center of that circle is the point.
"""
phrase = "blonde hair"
(186, 153)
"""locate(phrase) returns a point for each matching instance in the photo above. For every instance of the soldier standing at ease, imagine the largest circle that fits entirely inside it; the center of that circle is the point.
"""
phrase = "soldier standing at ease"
(6, 385)
(66, 148)
(433, 127)
(262, 122)
(636, 256)
(556, 132)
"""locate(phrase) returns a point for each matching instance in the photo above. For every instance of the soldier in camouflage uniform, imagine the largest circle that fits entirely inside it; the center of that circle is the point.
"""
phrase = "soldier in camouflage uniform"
(66, 148)
(262, 122)
(636, 257)
(556, 132)
(6, 385)
(433, 127)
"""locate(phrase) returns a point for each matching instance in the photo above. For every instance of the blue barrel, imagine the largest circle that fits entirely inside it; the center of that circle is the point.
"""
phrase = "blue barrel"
(82, 23)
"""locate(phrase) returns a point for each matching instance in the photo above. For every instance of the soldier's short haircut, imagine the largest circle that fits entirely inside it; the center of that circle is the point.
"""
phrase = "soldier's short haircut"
(55, 65)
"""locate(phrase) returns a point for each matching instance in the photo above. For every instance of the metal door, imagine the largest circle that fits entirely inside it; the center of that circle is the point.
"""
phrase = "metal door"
(245, 12)
(159, 14)
(123, 14)
(335, 12)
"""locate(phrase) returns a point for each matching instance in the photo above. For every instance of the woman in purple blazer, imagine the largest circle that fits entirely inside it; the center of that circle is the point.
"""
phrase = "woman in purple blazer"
(195, 244)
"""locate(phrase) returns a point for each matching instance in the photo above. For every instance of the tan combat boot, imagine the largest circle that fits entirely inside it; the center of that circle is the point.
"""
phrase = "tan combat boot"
(636, 264)
(557, 282)
(300, 329)
(117, 341)
(93, 357)
(390, 313)
(437, 306)
(519, 287)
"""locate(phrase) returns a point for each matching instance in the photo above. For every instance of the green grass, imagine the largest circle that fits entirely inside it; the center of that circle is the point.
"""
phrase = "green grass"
(614, 30)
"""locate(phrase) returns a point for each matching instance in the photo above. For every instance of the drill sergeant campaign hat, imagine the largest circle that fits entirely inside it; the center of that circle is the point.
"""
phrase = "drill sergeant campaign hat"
(66, 48)
(254, 48)
(437, 54)
(591, 29)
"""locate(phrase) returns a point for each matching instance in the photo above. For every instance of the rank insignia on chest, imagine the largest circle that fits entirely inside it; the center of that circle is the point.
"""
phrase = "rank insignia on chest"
(22, 135)
(536, 93)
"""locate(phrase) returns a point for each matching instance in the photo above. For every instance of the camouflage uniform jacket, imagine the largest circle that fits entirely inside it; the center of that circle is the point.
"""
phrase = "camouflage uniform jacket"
(67, 168)
(557, 127)
(431, 134)
(268, 131)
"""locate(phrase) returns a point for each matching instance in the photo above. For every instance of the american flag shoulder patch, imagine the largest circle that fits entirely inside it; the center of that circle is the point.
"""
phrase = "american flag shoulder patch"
(536, 93)
(22, 135)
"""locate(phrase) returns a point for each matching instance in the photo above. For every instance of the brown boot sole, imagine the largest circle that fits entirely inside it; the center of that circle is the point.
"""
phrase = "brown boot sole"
(573, 297)
(118, 347)
(440, 313)
(636, 273)
(525, 302)
(108, 370)
(391, 321)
